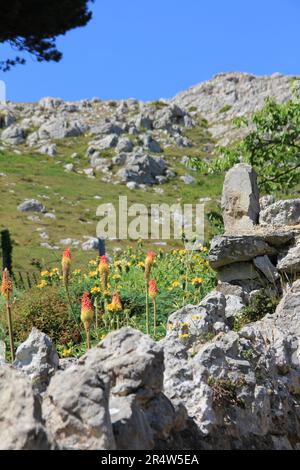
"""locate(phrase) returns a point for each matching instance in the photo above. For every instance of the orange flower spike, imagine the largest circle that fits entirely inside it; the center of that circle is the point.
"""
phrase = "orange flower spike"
(116, 304)
(153, 291)
(6, 286)
(66, 264)
(87, 314)
(149, 263)
(104, 270)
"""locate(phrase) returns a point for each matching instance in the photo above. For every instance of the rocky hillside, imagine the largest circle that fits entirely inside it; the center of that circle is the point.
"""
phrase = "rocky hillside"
(57, 155)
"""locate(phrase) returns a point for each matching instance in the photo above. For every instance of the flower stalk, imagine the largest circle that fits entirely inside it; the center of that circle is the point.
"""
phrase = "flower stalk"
(6, 290)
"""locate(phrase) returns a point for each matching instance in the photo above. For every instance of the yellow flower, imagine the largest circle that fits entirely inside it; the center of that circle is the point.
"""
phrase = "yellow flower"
(197, 280)
(55, 271)
(184, 335)
(76, 272)
(175, 284)
(195, 317)
(93, 262)
(116, 277)
(42, 284)
(182, 252)
(67, 352)
(117, 264)
(141, 264)
(95, 290)
(93, 273)
(45, 274)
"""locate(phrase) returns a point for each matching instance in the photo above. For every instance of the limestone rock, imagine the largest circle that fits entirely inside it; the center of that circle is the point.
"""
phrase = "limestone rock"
(264, 264)
(37, 358)
(240, 199)
(289, 261)
(31, 205)
(281, 213)
(75, 409)
(232, 249)
(143, 169)
(13, 135)
(21, 426)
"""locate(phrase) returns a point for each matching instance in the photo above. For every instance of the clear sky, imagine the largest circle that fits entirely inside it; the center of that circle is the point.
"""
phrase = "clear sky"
(155, 48)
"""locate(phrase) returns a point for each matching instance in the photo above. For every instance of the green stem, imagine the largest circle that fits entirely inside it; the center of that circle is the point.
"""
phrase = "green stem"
(147, 307)
(71, 307)
(154, 318)
(10, 331)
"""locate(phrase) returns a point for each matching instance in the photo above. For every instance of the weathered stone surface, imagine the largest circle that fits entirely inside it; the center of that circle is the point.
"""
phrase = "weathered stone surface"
(37, 358)
(289, 261)
(240, 199)
(237, 272)
(21, 425)
(266, 201)
(2, 352)
(143, 169)
(260, 364)
(13, 135)
(132, 360)
(31, 205)
(75, 409)
(264, 264)
(231, 249)
(281, 213)
(130, 425)
(60, 128)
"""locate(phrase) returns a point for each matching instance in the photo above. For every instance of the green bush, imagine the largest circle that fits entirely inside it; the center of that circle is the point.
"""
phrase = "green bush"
(46, 310)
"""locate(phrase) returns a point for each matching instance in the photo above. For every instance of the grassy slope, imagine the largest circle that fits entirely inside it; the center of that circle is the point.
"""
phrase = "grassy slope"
(35, 176)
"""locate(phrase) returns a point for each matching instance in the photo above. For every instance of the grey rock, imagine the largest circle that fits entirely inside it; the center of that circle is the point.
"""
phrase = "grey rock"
(151, 145)
(132, 185)
(264, 264)
(48, 149)
(142, 169)
(37, 358)
(237, 272)
(240, 199)
(13, 135)
(69, 167)
(2, 352)
(188, 179)
(232, 249)
(124, 145)
(289, 261)
(266, 201)
(21, 426)
(75, 409)
(31, 205)
(90, 244)
(107, 142)
(49, 103)
(281, 213)
(60, 128)
(130, 425)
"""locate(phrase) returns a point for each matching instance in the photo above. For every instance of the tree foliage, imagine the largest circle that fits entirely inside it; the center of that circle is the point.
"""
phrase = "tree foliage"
(32, 26)
(272, 147)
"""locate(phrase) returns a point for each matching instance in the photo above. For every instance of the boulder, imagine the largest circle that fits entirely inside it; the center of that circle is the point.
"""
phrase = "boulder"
(281, 213)
(48, 149)
(124, 145)
(188, 179)
(264, 264)
(142, 169)
(61, 128)
(75, 409)
(240, 199)
(21, 425)
(226, 250)
(13, 135)
(37, 358)
(31, 205)
(49, 103)
(289, 261)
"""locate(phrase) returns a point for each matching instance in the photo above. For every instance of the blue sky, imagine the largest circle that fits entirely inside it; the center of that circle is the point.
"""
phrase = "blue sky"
(155, 48)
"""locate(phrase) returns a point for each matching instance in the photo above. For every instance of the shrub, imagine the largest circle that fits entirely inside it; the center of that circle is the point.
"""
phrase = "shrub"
(46, 310)
(225, 108)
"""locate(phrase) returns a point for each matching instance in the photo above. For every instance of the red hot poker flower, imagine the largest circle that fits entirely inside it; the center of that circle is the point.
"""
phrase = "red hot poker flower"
(104, 270)
(149, 263)
(153, 291)
(87, 314)
(66, 263)
(6, 286)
